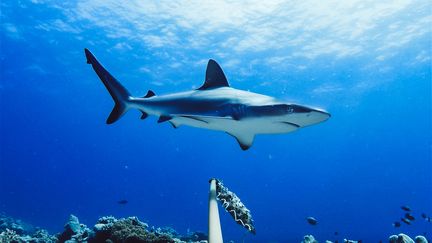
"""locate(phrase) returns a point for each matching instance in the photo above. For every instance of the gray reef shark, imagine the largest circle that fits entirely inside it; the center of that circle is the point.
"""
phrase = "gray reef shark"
(215, 105)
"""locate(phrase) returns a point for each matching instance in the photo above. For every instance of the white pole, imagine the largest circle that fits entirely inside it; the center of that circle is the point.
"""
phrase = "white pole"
(214, 231)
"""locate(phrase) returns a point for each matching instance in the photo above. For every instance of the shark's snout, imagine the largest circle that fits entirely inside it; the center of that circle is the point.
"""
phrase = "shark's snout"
(305, 116)
(319, 115)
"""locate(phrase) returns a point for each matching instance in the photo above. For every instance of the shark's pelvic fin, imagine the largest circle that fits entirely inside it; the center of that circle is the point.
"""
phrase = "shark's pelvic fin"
(149, 94)
(245, 140)
(119, 93)
(215, 77)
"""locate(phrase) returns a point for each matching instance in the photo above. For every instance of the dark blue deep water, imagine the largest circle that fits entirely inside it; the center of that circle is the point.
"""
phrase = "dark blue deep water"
(368, 63)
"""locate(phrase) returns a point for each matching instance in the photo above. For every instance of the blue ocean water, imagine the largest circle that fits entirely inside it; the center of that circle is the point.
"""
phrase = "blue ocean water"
(367, 63)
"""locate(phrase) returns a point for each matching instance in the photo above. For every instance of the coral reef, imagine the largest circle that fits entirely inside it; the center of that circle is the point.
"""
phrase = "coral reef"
(351, 241)
(9, 236)
(402, 238)
(15, 224)
(74, 231)
(420, 239)
(110, 229)
(195, 237)
(127, 230)
(16, 231)
(40, 236)
(107, 229)
(309, 239)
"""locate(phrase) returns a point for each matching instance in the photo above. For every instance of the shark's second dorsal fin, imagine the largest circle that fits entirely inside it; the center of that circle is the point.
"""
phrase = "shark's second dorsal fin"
(149, 94)
(215, 78)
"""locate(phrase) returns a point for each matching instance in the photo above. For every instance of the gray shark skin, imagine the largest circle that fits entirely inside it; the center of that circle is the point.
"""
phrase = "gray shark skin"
(215, 105)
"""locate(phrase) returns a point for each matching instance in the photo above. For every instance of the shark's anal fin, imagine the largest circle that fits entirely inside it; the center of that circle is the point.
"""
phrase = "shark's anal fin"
(144, 115)
(149, 94)
(245, 140)
(215, 77)
(164, 118)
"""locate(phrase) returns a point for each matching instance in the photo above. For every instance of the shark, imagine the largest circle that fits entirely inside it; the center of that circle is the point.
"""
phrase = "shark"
(215, 105)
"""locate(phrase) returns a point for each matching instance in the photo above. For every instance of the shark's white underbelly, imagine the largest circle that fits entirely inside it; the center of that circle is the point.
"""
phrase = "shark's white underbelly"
(244, 126)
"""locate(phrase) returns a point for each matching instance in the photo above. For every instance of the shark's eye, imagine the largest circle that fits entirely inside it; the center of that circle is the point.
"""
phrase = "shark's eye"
(290, 109)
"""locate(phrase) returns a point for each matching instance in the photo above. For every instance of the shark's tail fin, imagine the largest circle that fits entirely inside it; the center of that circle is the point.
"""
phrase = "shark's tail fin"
(119, 93)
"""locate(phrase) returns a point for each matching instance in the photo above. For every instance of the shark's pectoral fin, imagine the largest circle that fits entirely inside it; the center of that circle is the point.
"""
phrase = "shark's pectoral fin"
(164, 118)
(245, 140)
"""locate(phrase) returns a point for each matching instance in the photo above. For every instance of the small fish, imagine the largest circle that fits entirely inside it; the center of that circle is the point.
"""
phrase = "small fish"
(406, 208)
(427, 218)
(396, 224)
(409, 216)
(312, 220)
(122, 202)
(406, 221)
(336, 233)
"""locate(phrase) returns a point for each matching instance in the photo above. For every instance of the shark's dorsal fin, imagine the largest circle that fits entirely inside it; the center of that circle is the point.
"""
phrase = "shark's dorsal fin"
(149, 94)
(245, 140)
(215, 78)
